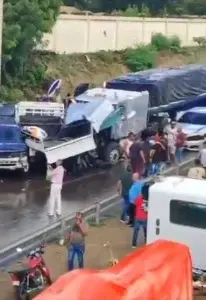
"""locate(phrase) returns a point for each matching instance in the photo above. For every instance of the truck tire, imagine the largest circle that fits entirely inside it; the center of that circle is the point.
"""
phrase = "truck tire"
(112, 153)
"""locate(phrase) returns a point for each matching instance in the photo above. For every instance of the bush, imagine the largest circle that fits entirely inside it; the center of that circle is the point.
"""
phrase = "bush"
(141, 58)
(11, 94)
(200, 40)
(175, 43)
(162, 42)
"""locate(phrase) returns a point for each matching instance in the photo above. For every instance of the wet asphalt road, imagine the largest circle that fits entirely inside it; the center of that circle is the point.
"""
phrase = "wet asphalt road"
(23, 203)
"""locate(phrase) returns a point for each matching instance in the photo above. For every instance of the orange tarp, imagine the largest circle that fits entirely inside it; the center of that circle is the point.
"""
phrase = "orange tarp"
(161, 270)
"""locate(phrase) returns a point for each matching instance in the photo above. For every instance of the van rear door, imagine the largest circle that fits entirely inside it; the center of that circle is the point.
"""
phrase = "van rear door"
(180, 221)
(188, 226)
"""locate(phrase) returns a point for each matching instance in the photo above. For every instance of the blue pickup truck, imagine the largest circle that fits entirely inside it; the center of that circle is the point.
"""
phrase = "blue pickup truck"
(13, 150)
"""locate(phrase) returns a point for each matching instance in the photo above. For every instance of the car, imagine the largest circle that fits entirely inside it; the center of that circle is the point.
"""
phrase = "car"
(193, 123)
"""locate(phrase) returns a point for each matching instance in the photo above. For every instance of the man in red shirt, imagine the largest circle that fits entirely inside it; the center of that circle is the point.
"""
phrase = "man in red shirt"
(140, 219)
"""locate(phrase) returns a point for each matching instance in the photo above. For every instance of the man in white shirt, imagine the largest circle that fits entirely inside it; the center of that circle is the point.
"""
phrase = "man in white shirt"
(171, 137)
(197, 172)
(125, 145)
(56, 177)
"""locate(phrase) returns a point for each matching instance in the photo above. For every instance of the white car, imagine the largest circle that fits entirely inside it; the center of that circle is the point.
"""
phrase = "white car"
(193, 123)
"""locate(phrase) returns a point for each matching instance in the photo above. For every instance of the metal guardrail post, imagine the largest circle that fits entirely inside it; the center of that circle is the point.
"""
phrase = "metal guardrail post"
(97, 213)
(63, 225)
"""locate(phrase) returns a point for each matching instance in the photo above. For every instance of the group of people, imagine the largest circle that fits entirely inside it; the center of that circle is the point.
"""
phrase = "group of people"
(142, 158)
(149, 152)
(144, 155)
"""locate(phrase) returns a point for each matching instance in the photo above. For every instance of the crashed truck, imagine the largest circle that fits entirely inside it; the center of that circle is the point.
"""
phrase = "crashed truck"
(92, 127)
(170, 89)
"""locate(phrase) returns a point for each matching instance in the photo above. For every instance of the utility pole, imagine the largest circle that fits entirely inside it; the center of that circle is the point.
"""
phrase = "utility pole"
(1, 33)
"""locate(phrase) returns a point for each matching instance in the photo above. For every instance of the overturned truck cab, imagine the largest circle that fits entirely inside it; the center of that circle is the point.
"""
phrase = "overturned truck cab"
(94, 125)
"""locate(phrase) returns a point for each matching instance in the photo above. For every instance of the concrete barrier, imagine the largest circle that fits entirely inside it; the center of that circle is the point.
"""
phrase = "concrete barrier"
(57, 229)
(79, 34)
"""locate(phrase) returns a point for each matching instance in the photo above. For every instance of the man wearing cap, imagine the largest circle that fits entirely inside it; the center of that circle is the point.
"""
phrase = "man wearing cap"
(56, 177)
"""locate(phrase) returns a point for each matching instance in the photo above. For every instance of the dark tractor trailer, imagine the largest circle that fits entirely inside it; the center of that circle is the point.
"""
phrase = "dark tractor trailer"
(170, 89)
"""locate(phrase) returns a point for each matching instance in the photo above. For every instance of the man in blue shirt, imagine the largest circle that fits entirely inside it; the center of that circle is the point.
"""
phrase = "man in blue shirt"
(134, 192)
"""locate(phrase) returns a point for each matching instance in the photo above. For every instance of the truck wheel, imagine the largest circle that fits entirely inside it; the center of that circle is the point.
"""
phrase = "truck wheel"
(112, 153)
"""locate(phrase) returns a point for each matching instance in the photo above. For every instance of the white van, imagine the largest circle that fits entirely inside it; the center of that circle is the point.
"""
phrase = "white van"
(177, 212)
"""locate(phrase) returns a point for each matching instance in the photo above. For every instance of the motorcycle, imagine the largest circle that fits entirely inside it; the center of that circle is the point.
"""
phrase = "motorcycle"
(32, 279)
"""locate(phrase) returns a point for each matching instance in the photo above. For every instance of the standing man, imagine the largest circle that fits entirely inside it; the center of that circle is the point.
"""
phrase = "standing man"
(158, 156)
(171, 136)
(140, 219)
(123, 187)
(56, 177)
(76, 242)
(137, 157)
(146, 147)
(134, 192)
(125, 145)
(148, 132)
(180, 144)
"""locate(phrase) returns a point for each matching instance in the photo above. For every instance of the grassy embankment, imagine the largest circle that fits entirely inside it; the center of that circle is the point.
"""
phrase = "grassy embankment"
(96, 68)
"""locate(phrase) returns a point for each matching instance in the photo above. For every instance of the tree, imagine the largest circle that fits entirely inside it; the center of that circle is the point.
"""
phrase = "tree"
(25, 22)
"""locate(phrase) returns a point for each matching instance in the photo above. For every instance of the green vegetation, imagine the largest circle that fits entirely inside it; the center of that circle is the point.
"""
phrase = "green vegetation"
(26, 71)
(145, 56)
(141, 58)
(160, 42)
(142, 7)
(25, 22)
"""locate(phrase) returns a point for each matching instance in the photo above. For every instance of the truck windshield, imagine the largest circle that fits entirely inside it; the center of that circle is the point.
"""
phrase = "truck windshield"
(10, 134)
(193, 118)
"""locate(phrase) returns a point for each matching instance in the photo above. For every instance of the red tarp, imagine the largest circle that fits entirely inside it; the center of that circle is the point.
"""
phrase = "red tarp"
(161, 270)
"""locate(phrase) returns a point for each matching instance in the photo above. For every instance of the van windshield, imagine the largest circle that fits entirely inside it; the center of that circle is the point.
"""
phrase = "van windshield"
(193, 118)
(10, 133)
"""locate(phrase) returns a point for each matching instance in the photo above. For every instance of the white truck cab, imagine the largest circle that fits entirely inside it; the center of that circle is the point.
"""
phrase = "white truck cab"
(177, 212)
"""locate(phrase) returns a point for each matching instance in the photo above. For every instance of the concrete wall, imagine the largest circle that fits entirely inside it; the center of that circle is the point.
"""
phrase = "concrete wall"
(90, 34)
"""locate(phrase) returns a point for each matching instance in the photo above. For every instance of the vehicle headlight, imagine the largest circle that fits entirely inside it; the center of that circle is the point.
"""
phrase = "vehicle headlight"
(22, 157)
